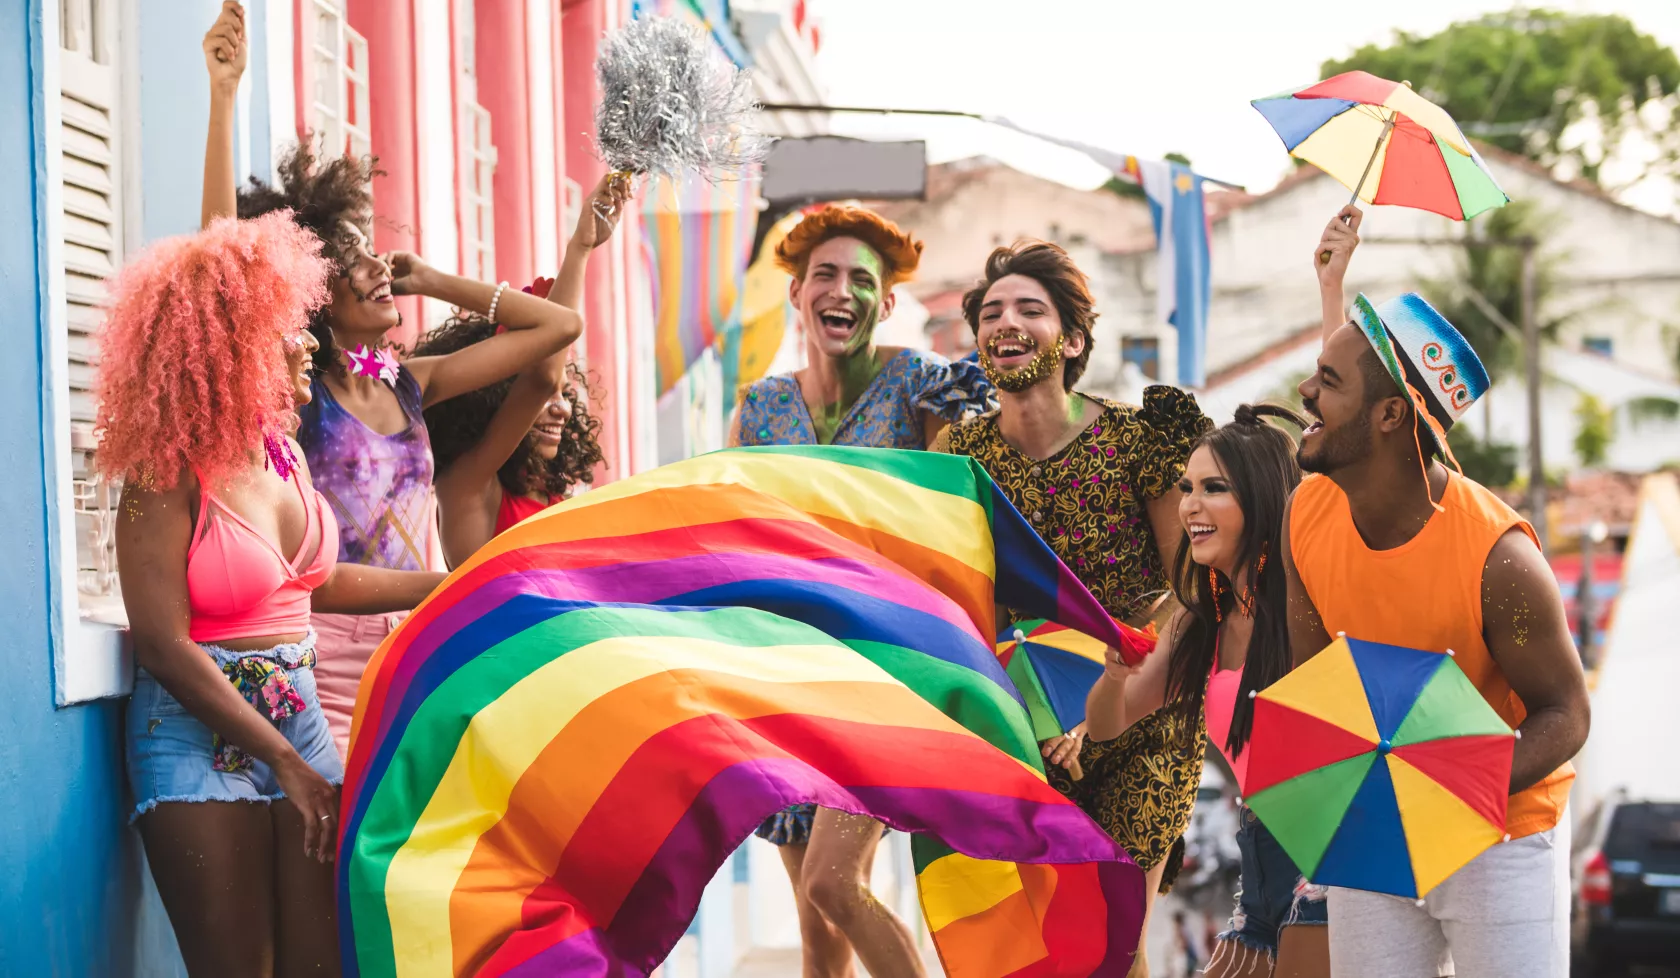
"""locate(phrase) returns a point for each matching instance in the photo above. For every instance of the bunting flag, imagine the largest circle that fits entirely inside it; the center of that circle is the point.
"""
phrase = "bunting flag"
(1182, 284)
(557, 750)
(697, 239)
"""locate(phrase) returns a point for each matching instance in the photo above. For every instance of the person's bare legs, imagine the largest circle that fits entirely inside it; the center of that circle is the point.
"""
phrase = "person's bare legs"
(836, 872)
(1303, 952)
(306, 928)
(1151, 887)
(825, 952)
(213, 862)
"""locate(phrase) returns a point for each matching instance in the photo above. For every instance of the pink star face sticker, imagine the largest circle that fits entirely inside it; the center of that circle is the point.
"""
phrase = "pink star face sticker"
(387, 366)
(363, 361)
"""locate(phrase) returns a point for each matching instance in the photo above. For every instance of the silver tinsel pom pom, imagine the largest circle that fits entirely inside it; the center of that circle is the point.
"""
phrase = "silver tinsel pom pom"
(671, 102)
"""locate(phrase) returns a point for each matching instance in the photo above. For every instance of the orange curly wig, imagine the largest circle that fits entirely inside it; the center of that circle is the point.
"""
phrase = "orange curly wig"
(900, 252)
(192, 364)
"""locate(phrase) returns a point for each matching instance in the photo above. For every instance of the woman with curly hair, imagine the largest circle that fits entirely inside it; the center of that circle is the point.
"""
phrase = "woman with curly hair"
(224, 548)
(364, 433)
(508, 451)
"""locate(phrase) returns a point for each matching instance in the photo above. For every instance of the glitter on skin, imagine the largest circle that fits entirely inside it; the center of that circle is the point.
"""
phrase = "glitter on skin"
(1043, 364)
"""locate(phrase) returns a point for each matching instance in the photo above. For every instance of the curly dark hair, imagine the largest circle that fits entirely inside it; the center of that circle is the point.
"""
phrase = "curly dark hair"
(456, 425)
(1068, 287)
(321, 193)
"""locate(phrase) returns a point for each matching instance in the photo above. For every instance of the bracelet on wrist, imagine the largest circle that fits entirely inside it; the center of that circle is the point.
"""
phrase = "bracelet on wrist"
(496, 300)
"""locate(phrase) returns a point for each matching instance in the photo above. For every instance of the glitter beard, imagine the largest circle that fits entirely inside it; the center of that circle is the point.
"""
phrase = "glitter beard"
(1037, 370)
(671, 103)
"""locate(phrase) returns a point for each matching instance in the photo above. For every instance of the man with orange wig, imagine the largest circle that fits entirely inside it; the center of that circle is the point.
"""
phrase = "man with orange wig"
(845, 262)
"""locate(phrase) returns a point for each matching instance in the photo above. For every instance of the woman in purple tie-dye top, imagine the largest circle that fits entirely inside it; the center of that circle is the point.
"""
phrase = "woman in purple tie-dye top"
(364, 433)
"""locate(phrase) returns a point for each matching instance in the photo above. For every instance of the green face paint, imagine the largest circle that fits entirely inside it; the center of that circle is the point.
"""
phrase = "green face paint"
(866, 297)
(858, 365)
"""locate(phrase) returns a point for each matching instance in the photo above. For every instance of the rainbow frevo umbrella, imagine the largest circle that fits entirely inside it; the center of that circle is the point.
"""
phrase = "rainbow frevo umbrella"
(1379, 767)
(1386, 143)
(1054, 668)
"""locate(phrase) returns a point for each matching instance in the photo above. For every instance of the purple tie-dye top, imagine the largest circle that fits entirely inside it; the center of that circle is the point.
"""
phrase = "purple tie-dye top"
(380, 486)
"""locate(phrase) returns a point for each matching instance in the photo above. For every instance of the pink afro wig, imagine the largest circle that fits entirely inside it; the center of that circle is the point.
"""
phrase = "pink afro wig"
(192, 363)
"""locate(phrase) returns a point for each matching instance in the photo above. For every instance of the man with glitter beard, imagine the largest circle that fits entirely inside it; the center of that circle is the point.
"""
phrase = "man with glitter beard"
(845, 262)
(1099, 482)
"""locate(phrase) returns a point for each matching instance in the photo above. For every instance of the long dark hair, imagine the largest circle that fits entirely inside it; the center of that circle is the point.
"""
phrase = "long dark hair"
(1259, 460)
(458, 424)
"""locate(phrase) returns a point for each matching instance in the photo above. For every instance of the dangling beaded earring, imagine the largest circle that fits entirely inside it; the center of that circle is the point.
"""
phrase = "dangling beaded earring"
(1245, 600)
(1218, 591)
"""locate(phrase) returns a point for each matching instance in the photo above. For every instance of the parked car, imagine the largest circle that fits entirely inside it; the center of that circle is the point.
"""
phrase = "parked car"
(1627, 887)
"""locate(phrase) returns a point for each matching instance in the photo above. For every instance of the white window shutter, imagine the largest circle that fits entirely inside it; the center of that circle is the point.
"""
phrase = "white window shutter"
(91, 165)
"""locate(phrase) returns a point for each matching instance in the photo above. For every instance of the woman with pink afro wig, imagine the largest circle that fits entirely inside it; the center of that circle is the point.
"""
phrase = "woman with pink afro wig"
(225, 550)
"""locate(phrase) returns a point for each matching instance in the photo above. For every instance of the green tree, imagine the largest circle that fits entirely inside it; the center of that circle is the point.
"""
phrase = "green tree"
(1595, 432)
(1492, 463)
(1518, 79)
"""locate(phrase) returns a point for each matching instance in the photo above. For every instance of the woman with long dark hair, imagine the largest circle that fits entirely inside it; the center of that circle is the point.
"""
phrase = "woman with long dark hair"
(1228, 640)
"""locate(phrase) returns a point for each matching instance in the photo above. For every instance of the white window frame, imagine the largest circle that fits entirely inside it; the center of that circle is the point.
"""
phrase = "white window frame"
(475, 158)
(91, 658)
(338, 58)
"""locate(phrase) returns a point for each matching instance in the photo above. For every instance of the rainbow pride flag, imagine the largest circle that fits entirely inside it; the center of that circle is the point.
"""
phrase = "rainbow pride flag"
(697, 241)
(553, 755)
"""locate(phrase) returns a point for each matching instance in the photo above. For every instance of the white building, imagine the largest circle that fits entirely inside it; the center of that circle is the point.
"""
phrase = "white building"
(1618, 281)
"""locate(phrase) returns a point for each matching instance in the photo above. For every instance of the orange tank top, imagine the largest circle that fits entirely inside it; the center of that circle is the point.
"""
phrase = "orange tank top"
(1439, 574)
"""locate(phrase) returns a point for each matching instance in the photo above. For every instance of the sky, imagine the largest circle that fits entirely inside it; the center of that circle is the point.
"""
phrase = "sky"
(1139, 78)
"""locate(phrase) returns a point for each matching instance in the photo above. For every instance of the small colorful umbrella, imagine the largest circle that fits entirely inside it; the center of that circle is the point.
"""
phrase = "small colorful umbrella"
(1054, 668)
(1379, 767)
(1386, 143)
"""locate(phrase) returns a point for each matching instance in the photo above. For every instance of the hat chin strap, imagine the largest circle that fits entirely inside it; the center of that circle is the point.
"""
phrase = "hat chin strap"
(1421, 410)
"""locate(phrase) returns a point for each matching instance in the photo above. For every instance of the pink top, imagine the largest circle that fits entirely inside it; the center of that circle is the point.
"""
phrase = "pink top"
(240, 585)
(1219, 704)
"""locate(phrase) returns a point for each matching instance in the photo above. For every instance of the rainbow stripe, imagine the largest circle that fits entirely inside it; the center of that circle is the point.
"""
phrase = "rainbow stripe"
(697, 240)
(557, 750)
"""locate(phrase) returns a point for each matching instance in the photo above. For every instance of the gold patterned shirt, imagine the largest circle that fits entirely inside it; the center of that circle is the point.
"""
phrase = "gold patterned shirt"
(1089, 502)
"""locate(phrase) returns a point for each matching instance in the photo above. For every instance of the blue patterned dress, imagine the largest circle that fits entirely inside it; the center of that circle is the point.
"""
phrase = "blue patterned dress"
(888, 415)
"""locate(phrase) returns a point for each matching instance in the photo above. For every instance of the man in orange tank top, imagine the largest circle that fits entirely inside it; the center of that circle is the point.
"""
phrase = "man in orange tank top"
(1386, 544)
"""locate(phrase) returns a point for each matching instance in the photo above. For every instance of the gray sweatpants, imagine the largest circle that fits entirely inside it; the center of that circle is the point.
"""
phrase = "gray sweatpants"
(1504, 915)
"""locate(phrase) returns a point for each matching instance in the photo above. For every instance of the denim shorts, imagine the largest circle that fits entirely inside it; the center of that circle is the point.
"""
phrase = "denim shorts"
(170, 757)
(1272, 894)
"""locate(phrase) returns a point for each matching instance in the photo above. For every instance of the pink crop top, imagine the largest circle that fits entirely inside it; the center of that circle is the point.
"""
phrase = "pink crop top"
(240, 585)
(1220, 703)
